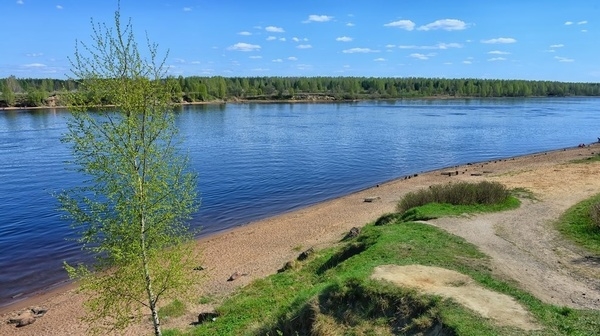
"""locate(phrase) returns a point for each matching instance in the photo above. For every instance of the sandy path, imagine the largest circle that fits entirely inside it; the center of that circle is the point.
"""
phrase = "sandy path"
(525, 246)
(259, 249)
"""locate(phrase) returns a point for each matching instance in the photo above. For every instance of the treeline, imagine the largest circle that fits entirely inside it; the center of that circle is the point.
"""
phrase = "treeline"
(29, 92)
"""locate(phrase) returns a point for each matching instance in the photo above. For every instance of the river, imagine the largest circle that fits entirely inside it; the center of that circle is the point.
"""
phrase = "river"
(259, 160)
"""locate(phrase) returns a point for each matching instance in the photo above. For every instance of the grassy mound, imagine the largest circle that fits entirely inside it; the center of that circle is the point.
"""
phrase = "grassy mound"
(331, 292)
(581, 224)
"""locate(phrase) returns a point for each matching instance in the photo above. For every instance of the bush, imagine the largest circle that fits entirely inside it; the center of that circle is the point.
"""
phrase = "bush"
(595, 214)
(462, 193)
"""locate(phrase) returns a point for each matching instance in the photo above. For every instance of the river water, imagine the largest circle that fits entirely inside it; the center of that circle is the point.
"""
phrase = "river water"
(259, 160)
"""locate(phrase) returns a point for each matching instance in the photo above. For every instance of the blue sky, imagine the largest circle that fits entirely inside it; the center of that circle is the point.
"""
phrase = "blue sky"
(509, 39)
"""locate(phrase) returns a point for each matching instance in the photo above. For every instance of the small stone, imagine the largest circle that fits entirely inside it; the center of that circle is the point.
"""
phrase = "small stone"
(304, 255)
(353, 233)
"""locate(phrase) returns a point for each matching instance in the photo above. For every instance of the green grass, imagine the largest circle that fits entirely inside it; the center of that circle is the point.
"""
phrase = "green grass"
(590, 159)
(331, 292)
(437, 210)
(174, 309)
(577, 225)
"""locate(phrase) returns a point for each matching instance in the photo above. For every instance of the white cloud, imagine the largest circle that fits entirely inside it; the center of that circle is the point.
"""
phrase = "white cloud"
(402, 24)
(244, 47)
(59, 7)
(557, 46)
(582, 22)
(304, 46)
(34, 54)
(502, 40)
(584, 30)
(295, 39)
(432, 47)
(498, 52)
(245, 33)
(495, 59)
(273, 29)
(271, 38)
(564, 59)
(318, 18)
(178, 60)
(256, 57)
(278, 60)
(448, 45)
(187, 9)
(445, 24)
(359, 50)
(260, 69)
(282, 39)
(380, 59)
(550, 50)
(34, 65)
(447, 63)
(195, 62)
(344, 39)
(568, 23)
(421, 56)
(390, 46)
(350, 24)
(292, 58)
(467, 62)
(20, 2)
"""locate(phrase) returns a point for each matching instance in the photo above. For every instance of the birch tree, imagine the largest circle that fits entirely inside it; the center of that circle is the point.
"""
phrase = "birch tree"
(132, 212)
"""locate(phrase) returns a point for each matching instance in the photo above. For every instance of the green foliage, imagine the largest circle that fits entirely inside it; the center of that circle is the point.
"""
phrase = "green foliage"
(580, 223)
(195, 88)
(132, 214)
(461, 193)
(35, 98)
(7, 95)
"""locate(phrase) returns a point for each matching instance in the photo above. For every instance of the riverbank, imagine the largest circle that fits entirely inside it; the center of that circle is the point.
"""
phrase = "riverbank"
(260, 248)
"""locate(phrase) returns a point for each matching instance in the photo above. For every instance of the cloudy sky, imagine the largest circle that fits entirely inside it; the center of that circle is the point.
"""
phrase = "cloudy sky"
(509, 39)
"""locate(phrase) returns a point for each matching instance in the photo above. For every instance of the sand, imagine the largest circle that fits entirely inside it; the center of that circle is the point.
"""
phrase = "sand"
(524, 246)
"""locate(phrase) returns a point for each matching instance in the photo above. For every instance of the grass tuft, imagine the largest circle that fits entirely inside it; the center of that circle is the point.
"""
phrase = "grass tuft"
(461, 193)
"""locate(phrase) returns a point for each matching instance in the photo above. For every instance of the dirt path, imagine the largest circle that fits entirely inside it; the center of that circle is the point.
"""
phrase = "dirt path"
(522, 243)
(525, 246)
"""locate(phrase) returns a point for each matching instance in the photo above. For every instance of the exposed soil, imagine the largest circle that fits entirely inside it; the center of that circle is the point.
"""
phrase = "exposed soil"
(523, 244)
(500, 308)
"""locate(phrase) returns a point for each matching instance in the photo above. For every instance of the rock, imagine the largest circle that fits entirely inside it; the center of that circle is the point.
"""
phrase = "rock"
(207, 317)
(236, 275)
(23, 319)
(39, 311)
(288, 266)
(304, 255)
(372, 199)
(353, 233)
(198, 268)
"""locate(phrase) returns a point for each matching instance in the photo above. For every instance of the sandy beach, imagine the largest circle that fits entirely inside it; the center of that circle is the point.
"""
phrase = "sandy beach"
(262, 247)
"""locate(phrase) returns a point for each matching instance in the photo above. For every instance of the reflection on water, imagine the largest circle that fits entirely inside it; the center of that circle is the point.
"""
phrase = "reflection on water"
(257, 160)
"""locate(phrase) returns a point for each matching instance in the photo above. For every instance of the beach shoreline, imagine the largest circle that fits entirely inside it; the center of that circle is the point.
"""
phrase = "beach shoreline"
(261, 247)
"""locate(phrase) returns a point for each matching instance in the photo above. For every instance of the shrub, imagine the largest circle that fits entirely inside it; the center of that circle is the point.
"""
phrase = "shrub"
(461, 193)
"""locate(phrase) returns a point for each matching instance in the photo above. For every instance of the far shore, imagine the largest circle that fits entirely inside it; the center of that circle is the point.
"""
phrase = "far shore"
(328, 99)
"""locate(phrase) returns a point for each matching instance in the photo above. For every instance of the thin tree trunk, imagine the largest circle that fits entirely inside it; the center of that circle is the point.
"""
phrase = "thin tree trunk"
(148, 280)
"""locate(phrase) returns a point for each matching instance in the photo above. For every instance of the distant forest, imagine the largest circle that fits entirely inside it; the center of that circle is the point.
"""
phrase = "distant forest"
(33, 92)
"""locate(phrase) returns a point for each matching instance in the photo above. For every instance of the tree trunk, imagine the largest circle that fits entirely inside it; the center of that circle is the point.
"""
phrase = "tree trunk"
(148, 280)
